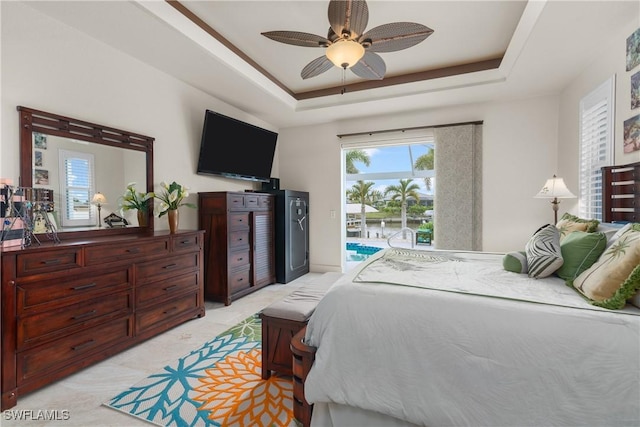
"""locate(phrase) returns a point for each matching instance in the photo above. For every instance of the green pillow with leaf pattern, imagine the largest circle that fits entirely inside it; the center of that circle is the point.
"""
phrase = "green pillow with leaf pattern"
(615, 277)
(569, 223)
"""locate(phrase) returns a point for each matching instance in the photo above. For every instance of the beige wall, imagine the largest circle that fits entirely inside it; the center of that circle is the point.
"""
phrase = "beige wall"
(49, 66)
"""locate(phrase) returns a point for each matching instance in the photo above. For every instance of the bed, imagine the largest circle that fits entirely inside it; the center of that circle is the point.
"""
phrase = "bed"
(451, 338)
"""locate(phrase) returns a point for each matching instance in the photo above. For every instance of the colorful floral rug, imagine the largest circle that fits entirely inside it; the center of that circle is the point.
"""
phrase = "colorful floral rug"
(219, 384)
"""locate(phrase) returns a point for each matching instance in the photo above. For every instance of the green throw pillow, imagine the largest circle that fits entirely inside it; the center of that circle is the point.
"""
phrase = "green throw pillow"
(516, 262)
(579, 251)
(615, 277)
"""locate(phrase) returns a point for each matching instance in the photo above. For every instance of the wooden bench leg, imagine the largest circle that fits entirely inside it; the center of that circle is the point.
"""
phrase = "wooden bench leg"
(303, 358)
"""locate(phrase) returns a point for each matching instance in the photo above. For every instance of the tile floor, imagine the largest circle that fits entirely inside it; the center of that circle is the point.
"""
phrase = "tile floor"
(83, 393)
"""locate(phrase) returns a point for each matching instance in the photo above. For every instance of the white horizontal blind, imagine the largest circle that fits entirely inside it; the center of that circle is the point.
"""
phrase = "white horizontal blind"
(596, 146)
(77, 187)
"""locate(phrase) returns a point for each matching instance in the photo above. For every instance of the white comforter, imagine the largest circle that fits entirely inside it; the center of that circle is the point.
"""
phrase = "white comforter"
(433, 350)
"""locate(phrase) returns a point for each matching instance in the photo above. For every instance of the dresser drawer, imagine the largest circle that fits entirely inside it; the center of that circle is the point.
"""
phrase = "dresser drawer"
(100, 254)
(41, 360)
(162, 290)
(265, 201)
(185, 242)
(61, 321)
(238, 259)
(157, 315)
(251, 201)
(239, 280)
(238, 239)
(166, 267)
(62, 291)
(48, 261)
(235, 201)
(239, 221)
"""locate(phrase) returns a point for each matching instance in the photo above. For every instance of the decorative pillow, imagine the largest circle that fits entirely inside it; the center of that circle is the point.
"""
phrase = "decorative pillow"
(617, 235)
(569, 223)
(615, 277)
(579, 251)
(543, 252)
(515, 262)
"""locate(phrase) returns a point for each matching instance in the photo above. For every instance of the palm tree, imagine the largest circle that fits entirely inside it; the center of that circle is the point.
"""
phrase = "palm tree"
(362, 193)
(407, 189)
(425, 163)
(353, 156)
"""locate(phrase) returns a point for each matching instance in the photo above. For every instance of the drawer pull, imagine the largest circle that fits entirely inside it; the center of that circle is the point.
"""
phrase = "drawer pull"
(133, 251)
(83, 345)
(51, 262)
(240, 279)
(170, 266)
(185, 242)
(171, 310)
(88, 285)
(240, 259)
(82, 316)
(170, 288)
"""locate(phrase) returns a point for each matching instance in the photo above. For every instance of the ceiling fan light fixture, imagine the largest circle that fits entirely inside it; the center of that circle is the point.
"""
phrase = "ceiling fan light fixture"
(345, 53)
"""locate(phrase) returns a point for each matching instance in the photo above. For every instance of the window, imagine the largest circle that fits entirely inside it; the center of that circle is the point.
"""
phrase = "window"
(77, 187)
(596, 146)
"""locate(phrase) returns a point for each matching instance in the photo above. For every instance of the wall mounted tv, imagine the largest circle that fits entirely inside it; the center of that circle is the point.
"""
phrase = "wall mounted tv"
(235, 149)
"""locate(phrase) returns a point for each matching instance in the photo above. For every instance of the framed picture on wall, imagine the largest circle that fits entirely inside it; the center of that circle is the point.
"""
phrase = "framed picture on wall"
(40, 141)
(632, 134)
(37, 158)
(633, 50)
(41, 176)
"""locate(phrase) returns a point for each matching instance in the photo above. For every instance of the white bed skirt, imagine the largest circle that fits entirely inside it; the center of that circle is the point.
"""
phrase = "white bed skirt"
(336, 415)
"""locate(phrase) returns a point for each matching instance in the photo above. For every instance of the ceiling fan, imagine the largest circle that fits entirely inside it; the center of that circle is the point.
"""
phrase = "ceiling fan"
(348, 46)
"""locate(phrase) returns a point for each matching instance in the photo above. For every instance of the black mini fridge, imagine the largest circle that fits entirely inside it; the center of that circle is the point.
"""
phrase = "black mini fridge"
(292, 234)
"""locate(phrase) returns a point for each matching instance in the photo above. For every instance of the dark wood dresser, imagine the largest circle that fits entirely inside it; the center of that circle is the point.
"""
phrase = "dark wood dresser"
(239, 243)
(69, 305)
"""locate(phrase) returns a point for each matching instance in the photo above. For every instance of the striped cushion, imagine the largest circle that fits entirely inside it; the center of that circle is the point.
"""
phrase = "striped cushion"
(543, 252)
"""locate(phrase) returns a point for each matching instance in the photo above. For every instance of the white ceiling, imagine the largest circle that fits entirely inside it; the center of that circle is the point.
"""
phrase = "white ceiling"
(543, 45)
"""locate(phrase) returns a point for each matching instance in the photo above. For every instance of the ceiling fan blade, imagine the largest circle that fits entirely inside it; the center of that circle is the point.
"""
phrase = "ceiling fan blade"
(395, 36)
(316, 67)
(371, 67)
(349, 15)
(297, 38)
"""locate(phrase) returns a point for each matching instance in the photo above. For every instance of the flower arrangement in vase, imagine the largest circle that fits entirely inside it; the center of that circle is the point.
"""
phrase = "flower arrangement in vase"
(133, 199)
(171, 198)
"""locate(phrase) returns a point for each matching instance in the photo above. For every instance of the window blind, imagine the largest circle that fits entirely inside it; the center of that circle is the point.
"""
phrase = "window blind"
(78, 187)
(596, 131)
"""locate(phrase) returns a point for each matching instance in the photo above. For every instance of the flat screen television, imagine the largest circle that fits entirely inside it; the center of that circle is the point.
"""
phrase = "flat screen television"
(235, 149)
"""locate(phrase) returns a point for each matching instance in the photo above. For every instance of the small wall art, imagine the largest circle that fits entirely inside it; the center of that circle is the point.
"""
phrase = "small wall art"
(632, 134)
(633, 50)
(37, 158)
(41, 176)
(40, 140)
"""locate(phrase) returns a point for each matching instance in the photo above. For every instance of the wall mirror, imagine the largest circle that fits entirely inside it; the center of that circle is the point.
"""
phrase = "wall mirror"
(86, 168)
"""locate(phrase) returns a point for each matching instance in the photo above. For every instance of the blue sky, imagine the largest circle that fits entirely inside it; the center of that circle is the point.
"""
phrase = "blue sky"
(392, 159)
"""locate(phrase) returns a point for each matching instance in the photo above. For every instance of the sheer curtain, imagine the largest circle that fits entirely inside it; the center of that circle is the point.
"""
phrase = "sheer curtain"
(458, 204)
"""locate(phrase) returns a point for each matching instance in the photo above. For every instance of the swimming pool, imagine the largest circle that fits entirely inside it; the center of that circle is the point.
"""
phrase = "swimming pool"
(360, 252)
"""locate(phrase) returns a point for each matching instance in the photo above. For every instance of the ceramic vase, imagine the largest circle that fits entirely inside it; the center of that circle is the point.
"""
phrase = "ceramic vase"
(172, 216)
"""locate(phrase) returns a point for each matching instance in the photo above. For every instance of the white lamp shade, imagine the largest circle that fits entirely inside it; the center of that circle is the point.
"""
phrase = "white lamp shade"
(555, 188)
(345, 53)
(99, 199)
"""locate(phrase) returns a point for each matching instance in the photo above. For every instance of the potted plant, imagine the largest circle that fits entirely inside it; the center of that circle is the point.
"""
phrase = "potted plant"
(171, 198)
(137, 200)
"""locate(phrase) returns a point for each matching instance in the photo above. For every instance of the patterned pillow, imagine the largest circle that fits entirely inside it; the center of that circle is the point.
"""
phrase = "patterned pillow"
(544, 256)
(515, 262)
(615, 277)
(569, 223)
(579, 251)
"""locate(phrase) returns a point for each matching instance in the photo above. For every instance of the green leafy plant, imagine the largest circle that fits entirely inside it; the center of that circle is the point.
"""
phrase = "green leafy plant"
(133, 199)
(171, 197)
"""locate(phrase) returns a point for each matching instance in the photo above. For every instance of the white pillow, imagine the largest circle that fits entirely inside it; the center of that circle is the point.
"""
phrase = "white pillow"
(543, 251)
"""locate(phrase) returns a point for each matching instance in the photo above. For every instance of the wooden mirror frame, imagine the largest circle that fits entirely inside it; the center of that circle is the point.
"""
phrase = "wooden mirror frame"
(32, 120)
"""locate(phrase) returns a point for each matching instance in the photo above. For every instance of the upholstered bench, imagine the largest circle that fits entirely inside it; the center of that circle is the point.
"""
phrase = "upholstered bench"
(285, 318)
